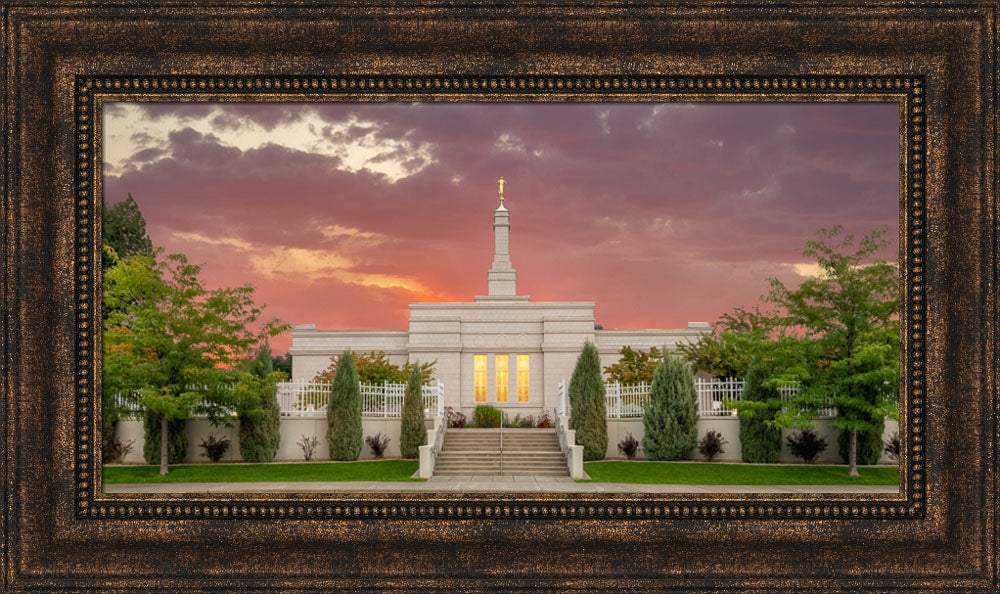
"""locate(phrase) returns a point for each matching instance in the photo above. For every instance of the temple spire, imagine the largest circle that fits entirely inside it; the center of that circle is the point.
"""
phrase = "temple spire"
(502, 277)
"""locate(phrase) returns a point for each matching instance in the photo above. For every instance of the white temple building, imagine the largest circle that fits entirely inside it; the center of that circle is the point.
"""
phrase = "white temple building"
(500, 349)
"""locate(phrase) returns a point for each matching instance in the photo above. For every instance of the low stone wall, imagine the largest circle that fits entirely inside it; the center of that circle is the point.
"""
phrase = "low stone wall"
(292, 430)
(729, 427)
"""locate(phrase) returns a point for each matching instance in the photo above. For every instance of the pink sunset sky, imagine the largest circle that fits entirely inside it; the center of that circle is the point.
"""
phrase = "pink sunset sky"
(343, 214)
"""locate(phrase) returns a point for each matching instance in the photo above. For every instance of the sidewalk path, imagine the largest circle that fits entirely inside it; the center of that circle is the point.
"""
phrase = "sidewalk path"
(466, 484)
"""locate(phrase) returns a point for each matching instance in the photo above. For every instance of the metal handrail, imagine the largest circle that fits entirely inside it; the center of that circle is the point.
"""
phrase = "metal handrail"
(501, 444)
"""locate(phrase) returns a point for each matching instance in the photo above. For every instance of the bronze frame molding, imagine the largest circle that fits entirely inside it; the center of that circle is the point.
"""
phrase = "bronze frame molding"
(61, 61)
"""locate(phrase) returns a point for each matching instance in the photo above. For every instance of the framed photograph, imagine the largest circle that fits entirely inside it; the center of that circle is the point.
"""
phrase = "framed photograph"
(359, 168)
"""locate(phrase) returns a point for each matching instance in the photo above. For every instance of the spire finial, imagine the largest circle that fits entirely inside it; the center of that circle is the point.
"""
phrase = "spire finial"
(500, 183)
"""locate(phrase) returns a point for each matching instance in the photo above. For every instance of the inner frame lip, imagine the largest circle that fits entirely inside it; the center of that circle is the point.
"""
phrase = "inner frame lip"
(755, 89)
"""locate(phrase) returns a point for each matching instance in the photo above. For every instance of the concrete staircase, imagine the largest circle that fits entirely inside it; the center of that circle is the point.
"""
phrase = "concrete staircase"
(476, 452)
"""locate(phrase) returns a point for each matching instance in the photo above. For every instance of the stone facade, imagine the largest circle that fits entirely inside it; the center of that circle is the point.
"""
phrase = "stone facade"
(551, 334)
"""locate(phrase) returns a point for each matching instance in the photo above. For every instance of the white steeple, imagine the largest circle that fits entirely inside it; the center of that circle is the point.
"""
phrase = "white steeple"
(501, 276)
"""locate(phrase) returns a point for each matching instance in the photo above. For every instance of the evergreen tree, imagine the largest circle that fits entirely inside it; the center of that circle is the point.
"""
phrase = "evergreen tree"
(671, 415)
(343, 412)
(262, 363)
(760, 437)
(588, 408)
(259, 415)
(176, 439)
(124, 230)
(413, 432)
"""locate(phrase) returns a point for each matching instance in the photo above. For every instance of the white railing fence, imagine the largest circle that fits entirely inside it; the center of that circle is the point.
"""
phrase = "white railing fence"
(626, 401)
(305, 398)
(629, 401)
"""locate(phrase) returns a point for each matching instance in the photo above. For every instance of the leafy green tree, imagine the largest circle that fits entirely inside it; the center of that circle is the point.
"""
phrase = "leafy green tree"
(726, 351)
(259, 413)
(413, 432)
(124, 230)
(588, 406)
(343, 412)
(848, 318)
(635, 366)
(671, 415)
(375, 368)
(760, 436)
(171, 342)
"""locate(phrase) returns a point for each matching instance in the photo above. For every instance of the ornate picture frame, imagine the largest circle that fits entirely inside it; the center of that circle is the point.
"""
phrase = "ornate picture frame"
(62, 60)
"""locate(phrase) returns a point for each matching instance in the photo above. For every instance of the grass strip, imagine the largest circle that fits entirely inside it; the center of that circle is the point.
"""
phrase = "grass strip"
(705, 473)
(373, 470)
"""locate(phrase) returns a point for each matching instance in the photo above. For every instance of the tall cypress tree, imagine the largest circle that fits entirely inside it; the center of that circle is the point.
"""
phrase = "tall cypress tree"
(759, 442)
(343, 411)
(260, 415)
(588, 408)
(412, 431)
(177, 442)
(671, 415)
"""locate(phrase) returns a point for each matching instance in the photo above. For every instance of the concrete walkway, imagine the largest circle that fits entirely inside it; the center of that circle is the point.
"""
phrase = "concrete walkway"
(467, 484)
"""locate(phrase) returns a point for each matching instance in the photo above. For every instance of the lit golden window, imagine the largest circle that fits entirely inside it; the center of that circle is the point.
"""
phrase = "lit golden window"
(480, 378)
(523, 378)
(502, 381)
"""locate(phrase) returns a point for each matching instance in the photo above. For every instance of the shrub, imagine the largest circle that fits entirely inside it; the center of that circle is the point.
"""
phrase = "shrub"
(378, 443)
(759, 442)
(308, 445)
(456, 419)
(545, 421)
(260, 426)
(526, 423)
(672, 413)
(806, 445)
(486, 416)
(870, 443)
(412, 431)
(119, 450)
(711, 444)
(892, 447)
(629, 446)
(176, 440)
(588, 414)
(214, 447)
(343, 412)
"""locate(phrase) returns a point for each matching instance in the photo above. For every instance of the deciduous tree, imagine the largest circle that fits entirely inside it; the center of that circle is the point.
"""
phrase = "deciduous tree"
(635, 366)
(170, 342)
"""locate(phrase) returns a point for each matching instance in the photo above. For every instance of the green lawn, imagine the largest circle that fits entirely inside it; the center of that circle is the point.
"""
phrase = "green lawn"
(375, 470)
(705, 473)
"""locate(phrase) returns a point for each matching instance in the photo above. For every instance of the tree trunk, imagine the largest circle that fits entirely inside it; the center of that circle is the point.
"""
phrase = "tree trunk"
(163, 444)
(852, 454)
